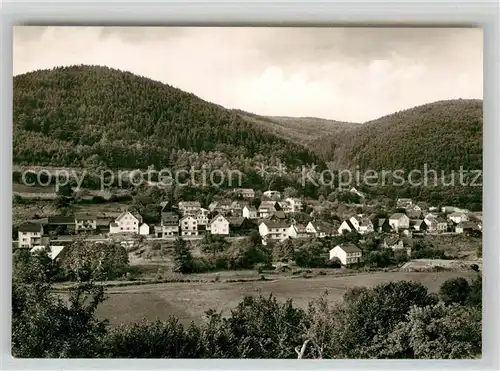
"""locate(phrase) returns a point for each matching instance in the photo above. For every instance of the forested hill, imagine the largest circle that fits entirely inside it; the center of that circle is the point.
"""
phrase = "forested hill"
(303, 130)
(72, 116)
(445, 135)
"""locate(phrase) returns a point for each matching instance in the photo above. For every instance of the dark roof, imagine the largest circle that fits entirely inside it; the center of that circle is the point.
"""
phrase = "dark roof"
(381, 221)
(271, 224)
(350, 247)
(279, 214)
(30, 227)
(236, 221)
(85, 216)
(468, 225)
(250, 208)
(349, 224)
(61, 219)
(300, 228)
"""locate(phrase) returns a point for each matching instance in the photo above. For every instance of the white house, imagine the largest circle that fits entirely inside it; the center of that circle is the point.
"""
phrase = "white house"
(321, 229)
(277, 231)
(399, 221)
(404, 203)
(458, 217)
(144, 229)
(362, 224)
(85, 222)
(189, 226)
(202, 216)
(295, 204)
(285, 207)
(219, 225)
(250, 212)
(30, 235)
(435, 224)
(53, 252)
(272, 194)
(347, 253)
(297, 231)
(126, 222)
(266, 209)
(189, 207)
(245, 192)
(346, 226)
(466, 226)
(394, 243)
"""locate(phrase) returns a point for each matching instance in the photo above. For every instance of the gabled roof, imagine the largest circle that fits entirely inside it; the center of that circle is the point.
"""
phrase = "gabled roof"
(272, 224)
(468, 225)
(268, 205)
(53, 253)
(349, 248)
(236, 221)
(187, 217)
(217, 217)
(349, 224)
(250, 208)
(30, 227)
(396, 216)
(135, 215)
(392, 240)
(189, 204)
(279, 214)
(85, 216)
(381, 221)
(300, 228)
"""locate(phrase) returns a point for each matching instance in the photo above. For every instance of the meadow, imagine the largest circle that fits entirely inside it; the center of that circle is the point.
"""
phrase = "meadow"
(189, 301)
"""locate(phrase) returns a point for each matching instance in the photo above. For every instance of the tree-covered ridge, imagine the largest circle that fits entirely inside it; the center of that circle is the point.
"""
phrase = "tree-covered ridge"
(303, 130)
(70, 116)
(445, 135)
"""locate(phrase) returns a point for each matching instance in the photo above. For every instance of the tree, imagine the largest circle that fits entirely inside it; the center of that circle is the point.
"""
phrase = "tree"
(435, 331)
(65, 190)
(183, 260)
(455, 290)
(86, 261)
(214, 244)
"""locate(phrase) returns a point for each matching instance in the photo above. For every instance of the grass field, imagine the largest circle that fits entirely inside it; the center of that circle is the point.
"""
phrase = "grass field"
(189, 301)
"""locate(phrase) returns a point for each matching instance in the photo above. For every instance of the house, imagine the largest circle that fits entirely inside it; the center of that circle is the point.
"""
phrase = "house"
(240, 225)
(202, 217)
(250, 212)
(458, 217)
(272, 194)
(220, 207)
(267, 208)
(85, 222)
(362, 224)
(404, 203)
(169, 224)
(466, 227)
(346, 226)
(435, 224)
(295, 204)
(277, 216)
(418, 225)
(61, 224)
(285, 207)
(144, 229)
(236, 207)
(276, 231)
(393, 242)
(399, 221)
(321, 229)
(189, 207)
(53, 252)
(219, 225)
(30, 235)
(412, 213)
(346, 253)
(244, 192)
(126, 222)
(297, 231)
(383, 225)
(449, 209)
(189, 226)
(356, 192)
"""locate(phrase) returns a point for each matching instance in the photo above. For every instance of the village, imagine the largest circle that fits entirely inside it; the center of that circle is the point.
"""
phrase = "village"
(277, 218)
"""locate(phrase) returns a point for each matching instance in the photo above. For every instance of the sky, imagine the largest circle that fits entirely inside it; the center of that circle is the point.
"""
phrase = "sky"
(346, 74)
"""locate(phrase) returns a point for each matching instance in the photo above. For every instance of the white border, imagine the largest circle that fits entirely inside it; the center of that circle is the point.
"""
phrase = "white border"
(467, 13)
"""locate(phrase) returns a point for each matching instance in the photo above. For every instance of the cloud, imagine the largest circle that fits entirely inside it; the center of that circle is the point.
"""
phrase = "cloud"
(351, 74)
